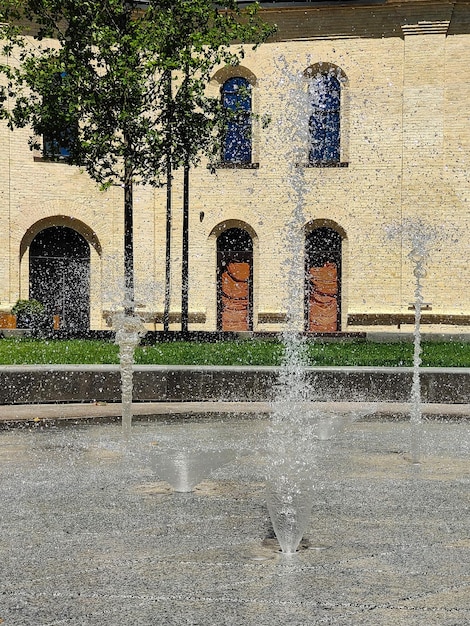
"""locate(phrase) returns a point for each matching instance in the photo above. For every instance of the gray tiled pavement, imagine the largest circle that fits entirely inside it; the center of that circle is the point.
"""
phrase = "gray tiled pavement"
(91, 534)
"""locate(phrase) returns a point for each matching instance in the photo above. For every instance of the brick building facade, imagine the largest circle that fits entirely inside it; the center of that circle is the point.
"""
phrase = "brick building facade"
(292, 206)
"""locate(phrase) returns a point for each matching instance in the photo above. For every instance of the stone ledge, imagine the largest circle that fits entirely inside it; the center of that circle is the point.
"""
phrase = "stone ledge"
(95, 383)
(395, 319)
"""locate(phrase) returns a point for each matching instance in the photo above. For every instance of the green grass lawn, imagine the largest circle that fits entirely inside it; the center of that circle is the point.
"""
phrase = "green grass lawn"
(28, 351)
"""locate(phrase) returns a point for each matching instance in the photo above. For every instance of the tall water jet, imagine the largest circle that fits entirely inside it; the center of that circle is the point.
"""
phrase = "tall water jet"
(418, 237)
(289, 478)
(128, 325)
(299, 433)
(129, 330)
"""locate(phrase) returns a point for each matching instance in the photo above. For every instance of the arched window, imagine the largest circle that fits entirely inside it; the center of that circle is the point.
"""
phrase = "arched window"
(236, 100)
(325, 92)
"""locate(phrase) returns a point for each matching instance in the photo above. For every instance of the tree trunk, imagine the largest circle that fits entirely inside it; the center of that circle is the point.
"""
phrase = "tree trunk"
(185, 252)
(129, 305)
(169, 176)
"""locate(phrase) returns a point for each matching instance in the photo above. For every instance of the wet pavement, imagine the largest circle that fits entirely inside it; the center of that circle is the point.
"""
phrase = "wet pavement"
(91, 532)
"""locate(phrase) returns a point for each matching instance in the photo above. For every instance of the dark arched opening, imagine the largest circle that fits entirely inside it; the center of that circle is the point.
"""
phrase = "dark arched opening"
(323, 251)
(234, 280)
(59, 276)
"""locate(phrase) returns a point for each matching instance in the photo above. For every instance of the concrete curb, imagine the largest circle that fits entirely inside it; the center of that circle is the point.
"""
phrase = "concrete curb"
(47, 384)
(155, 410)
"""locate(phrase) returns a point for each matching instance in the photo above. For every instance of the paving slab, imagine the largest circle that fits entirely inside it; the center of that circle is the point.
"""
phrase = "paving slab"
(93, 534)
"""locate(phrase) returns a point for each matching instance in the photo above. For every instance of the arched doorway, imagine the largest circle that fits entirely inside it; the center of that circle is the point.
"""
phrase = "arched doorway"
(234, 280)
(59, 276)
(323, 280)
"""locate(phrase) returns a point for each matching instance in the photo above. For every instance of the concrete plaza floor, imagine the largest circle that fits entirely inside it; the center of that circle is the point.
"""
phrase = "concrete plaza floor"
(92, 534)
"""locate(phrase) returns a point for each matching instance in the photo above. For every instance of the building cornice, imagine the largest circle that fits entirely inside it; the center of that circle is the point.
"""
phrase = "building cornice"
(437, 18)
(426, 28)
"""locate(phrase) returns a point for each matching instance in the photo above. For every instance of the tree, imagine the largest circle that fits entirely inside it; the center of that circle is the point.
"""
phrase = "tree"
(204, 34)
(95, 80)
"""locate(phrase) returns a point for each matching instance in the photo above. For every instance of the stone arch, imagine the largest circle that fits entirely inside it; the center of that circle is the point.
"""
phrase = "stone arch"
(325, 223)
(233, 223)
(232, 71)
(60, 220)
(325, 67)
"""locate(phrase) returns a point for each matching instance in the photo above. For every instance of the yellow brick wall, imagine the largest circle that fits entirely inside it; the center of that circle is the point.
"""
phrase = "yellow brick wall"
(405, 137)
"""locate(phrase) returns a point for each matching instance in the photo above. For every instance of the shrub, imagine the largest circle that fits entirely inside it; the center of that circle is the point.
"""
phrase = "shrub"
(29, 314)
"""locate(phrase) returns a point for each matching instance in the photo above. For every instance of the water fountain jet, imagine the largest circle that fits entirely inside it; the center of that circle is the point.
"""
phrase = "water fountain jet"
(184, 468)
(419, 237)
(296, 431)
(129, 330)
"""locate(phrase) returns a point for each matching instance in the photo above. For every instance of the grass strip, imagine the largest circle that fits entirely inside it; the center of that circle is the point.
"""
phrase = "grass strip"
(28, 351)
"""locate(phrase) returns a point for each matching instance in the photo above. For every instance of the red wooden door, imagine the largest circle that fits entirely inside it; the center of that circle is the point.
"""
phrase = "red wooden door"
(235, 292)
(323, 299)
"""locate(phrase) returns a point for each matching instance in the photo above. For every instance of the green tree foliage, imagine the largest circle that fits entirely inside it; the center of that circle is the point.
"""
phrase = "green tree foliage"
(93, 78)
(102, 90)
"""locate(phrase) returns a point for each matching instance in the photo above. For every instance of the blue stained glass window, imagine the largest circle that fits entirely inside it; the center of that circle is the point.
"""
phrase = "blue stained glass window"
(325, 91)
(236, 99)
